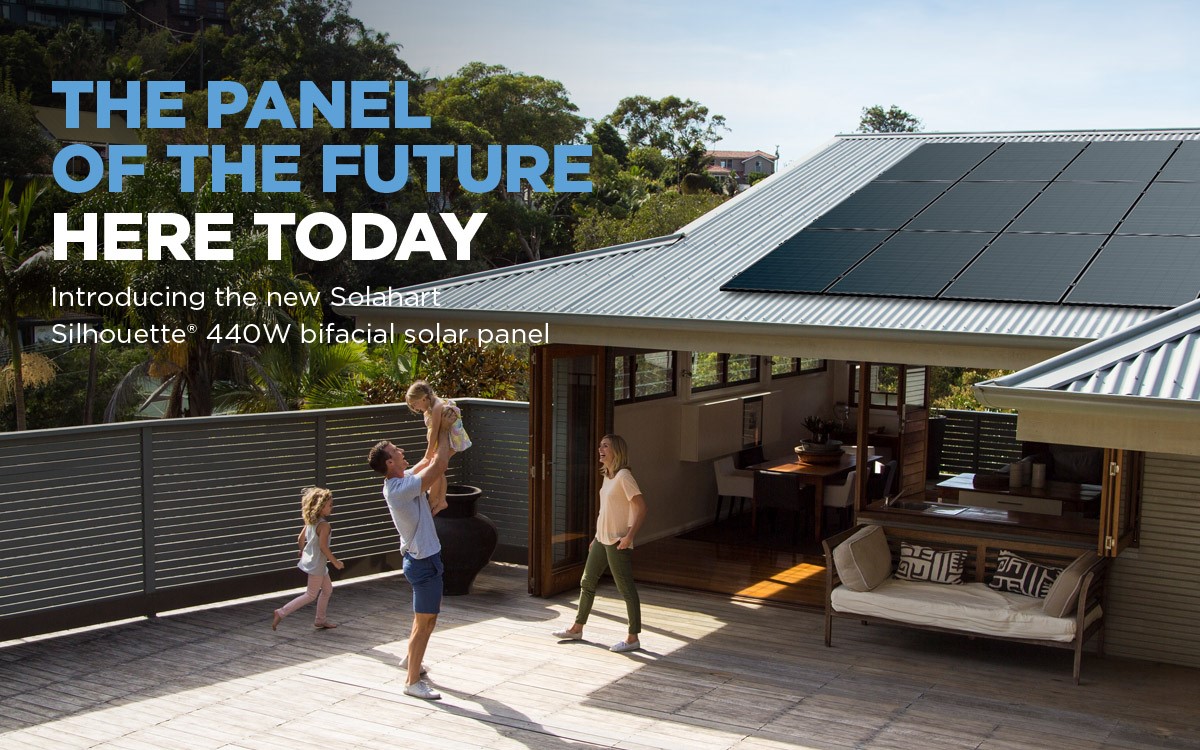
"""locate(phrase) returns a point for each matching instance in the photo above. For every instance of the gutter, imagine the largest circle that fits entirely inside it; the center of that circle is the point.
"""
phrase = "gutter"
(856, 333)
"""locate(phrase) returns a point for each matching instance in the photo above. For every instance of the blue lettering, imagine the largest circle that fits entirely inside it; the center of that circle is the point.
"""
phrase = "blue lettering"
(331, 168)
(95, 168)
(433, 164)
(73, 90)
(187, 163)
(563, 168)
(492, 178)
(272, 168)
(218, 107)
(399, 171)
(156, 104)
(270, 104)
(531, 174)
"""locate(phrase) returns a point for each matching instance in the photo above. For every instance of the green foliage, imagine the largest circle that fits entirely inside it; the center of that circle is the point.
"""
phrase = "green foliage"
(876, 119)
(25, 278)
(950, 387)
(194, 368)
(61, 402)
(672, 125)
(659, 215)
(607, 139)
(490, 104)
(461, 370)
(26, 151)
(309, 40)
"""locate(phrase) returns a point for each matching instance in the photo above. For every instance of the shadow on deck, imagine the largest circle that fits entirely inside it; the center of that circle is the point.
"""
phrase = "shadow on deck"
(715, 673)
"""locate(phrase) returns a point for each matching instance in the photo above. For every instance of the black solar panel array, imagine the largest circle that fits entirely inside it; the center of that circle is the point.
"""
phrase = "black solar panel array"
(1094, 223)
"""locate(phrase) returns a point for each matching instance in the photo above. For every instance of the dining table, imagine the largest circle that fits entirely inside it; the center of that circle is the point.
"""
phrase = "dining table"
(813, 473)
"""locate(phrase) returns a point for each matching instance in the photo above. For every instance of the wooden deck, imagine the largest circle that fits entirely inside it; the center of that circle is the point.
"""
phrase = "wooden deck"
(715, 673)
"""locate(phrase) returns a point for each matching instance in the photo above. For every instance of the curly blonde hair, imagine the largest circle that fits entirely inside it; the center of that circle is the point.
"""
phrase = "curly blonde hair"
(311, 502)
(417, 391)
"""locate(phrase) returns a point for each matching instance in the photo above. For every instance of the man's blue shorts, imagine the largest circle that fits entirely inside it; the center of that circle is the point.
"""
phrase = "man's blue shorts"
(425, 576)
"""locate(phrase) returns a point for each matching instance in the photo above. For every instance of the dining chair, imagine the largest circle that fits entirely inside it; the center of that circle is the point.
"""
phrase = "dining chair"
(734, 483)
(839, 498)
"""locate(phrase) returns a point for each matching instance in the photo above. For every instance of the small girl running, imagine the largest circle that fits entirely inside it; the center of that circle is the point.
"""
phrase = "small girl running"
(422, 400)
(316, 505)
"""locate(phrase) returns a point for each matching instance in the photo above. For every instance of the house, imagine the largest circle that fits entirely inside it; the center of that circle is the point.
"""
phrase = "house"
(740, 164)
(884, 255)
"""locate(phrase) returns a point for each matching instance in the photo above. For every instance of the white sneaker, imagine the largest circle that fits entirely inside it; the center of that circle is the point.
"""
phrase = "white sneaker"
(404, 666)
(420, 689)
(567, 635)
(622, 646)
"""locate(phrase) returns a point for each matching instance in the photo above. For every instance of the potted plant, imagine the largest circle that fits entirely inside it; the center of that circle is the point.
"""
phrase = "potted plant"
(819, 428)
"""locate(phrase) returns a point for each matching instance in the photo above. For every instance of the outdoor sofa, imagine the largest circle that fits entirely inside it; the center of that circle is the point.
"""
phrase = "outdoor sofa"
(868, 572)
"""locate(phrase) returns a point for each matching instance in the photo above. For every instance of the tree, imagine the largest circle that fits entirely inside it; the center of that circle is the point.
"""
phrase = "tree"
(192, 369)
(606, 138)
(23, 279)
(309, 40)
(482, 105)
(26, 151)
(876, 119)
(659, 215)
(677, 127)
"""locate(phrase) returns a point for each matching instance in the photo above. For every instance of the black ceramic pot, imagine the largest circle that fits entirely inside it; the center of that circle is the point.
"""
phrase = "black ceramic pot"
(468, 538)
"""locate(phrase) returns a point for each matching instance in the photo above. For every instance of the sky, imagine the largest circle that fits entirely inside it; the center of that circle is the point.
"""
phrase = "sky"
(794, 74)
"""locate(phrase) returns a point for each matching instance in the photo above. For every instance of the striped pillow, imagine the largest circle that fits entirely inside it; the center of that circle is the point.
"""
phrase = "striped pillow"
(1020, 576)
(919, 563)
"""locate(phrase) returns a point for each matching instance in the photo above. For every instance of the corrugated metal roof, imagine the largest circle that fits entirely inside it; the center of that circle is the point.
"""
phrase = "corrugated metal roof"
(1158, 359)
(679, 278)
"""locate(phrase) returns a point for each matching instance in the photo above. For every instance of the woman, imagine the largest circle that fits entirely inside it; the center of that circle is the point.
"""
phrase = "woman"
(622, 509)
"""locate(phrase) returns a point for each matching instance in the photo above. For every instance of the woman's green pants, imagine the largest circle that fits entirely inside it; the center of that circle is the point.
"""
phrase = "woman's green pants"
(603, 557)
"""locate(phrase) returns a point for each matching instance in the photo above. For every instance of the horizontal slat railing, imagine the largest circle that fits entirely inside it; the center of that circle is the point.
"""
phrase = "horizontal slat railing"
(111, 521)
(976, 441)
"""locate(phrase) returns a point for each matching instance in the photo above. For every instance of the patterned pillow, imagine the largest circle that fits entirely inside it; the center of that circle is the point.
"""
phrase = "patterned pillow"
(1020, 576)
(919, 563)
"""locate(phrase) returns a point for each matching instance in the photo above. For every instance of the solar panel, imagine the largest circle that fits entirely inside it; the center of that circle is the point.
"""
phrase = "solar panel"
(1166, 208)
(920, 229)
(1037, 162)
(977, 206)
(939, 161)
(880, 205)
(913, 264)
(1132, 161)
(1026, 268)
(1142, 271)
(807, 262)
(1184, 165)
(1091, 207)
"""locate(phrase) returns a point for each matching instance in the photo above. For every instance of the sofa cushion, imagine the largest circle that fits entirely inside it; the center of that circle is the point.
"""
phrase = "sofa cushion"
(919, 563)
(1021, 576)
(863, 561)
(1063, 594)
(970, 608)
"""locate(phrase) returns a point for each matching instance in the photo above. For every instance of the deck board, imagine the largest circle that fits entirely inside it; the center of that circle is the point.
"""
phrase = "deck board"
(716, 673)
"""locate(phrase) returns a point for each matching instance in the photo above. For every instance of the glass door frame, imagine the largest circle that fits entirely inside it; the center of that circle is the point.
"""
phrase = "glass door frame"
(546, 577)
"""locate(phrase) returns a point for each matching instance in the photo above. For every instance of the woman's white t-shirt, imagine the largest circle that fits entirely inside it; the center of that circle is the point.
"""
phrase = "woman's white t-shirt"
(616, 510)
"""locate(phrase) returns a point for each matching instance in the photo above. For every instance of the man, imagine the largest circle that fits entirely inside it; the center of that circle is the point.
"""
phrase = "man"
(403, 489)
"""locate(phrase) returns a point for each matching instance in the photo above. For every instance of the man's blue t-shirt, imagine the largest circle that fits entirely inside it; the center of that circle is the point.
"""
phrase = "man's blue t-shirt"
(410, 512)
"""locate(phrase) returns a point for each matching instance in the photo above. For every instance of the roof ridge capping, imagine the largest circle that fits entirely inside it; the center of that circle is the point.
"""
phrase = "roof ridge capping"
(1004, 133)
(1076, 363)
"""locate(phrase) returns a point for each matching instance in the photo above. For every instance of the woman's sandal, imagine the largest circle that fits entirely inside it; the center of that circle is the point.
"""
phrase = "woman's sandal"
(324, 625)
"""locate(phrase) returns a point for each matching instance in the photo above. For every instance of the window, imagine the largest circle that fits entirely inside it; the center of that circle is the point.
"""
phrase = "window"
(713, 370)
(783, 367)
(883, 386)
(640, 376)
